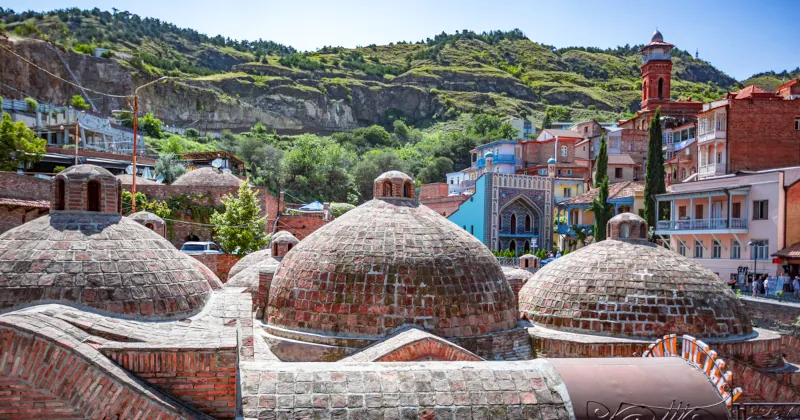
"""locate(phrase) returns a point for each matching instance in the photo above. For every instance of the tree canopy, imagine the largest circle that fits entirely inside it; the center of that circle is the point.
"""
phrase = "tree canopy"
(240, 227)
(18, 145)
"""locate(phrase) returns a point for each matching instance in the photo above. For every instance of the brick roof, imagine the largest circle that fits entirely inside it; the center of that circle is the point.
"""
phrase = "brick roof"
(789, 252)
(632, 288)
(106, 262)
(408, 345)
(249, 260)
(621, 159)
(388, 263)
(208, 177)
(13, 202)
(622, 189)
(127, 179)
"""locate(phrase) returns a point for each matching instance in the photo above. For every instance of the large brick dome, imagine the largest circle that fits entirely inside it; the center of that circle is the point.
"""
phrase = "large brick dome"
(104, 261)
(208, 177)
(626, 286)
(390, 262)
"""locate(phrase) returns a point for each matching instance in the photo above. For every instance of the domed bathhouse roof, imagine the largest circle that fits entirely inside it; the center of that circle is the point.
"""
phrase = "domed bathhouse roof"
(517, 278)
(127, 179)
(86, 254)
(387, 263)
(283, 237)
(249, 260)
(208, 177)
(145, 216)
(626, 286)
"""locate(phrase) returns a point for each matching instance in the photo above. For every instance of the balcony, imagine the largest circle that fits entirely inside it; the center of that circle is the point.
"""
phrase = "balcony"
(656, 55)
(737, 225)
(711, 170)
(564, 229)
(711, 136)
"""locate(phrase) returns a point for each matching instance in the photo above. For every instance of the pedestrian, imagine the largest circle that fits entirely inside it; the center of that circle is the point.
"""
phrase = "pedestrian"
(558, 255)
(754, 286)
(796, 287)
(766, 282)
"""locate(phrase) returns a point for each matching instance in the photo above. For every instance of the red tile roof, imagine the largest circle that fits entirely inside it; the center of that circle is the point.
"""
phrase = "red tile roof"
(616, 190)
(753, 91)
(621, 159)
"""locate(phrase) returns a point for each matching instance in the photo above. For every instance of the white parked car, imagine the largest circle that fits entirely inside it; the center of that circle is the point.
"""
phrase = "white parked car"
(201, 248)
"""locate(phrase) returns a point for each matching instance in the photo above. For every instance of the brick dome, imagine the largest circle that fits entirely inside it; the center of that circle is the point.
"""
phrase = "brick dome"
(387, 263)
(283, 237)
(107, 262)
(127, 179)
(249, 260)
(208, 177)
(628, 287)
(145, 216)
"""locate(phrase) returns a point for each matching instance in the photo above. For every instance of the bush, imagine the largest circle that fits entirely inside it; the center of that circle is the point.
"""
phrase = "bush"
(338, 209)
(107, 54)
(192, 133)
(33, 105)
(87, 49)
(26, 29)
(58, 168)
(78, 102)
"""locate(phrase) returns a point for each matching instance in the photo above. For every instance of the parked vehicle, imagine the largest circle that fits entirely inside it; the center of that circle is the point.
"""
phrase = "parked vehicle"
(195, 248)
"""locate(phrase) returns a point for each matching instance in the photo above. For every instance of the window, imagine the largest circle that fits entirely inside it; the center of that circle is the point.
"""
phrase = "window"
(797, 124)
(760, 209)
(681, 212)
(736, 210)
(60, 194)
(617, 172)
(698, 211)
(513, 224)
(736, 250)
(698, 249)
(567, 192)
(527, 223)
(682, 249)
(585, 129)
(660, 88)
(683, 173)
(564, 151)
(471, 229)
(716, 250)
(759, 251)
(407, 189)
(93, 196)
(624, 230)
(569, 171)
(542, 171)
(387, 188)
(559, 171)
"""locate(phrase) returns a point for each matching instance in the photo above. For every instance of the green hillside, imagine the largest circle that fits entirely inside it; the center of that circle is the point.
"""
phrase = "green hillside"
(501, 72)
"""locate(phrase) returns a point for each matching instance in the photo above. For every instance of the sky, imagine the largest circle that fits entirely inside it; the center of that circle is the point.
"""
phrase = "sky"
(738, 37)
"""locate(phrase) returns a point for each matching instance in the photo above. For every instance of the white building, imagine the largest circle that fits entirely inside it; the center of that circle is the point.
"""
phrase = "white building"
(526, 129)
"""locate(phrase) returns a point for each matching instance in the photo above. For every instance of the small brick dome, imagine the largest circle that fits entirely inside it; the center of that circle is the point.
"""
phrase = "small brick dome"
(127, 179)
(627, 226)
(208, 177)
(395, 185)
(629, 287)
(150, 221)
(86, 188)
(249, 260)
(283, 237)
(386, 264)
(107, 262)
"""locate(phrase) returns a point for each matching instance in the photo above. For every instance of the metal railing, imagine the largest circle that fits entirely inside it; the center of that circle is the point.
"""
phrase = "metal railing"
(508, 261)
(701, 224)
(758, 411)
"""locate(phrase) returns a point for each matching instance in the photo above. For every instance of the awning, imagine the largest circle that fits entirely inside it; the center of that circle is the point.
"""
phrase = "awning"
(789, 252)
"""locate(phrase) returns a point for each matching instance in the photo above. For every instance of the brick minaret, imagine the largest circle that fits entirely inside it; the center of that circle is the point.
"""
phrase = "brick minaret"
(656, 69)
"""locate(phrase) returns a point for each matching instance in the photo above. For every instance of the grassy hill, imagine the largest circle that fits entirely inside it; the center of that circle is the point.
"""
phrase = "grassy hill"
(501, 72)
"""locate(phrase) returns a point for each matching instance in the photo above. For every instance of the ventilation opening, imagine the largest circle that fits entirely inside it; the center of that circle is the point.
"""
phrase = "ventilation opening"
(274, 250)
(60, 194)
(288, 247)
(93, 196)
(150, 226)
(407, 189)
(642, 232)
(624, 230)
(660, 88)
(387, 189)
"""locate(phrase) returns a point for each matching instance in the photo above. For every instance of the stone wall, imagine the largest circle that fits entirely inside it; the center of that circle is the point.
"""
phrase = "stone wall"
(24, 187)
(752, 124)
(766, 313)
(513, 344)
(220, 264)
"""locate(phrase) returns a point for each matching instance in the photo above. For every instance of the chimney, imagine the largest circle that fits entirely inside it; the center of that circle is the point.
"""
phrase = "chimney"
(280, 202)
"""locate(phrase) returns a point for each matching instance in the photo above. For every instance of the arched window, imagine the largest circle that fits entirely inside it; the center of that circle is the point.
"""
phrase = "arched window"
(513, 246)
(407, 189)
(150, 226)
(644, 89)
(683, 174)
(624, 230)
(60, 194)
(274, 250)
(93, 196)
(527, 223)
(527, 247)
(660, 88)
(288, 247)
(513, 223)
(387, 188)
(642, 231)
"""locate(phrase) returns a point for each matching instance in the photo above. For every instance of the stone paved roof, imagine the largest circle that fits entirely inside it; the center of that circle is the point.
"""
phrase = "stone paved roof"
(248, 278)
(84, 171)
(127, 179)
(145, 216)
(107, 262)
(208, 177)
(389, 263)
(441, 390)
(632, 288)
(410, 345)
(249, 260)
(394, 175)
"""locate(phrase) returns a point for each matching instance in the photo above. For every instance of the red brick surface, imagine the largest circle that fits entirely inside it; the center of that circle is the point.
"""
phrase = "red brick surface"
(300, 226)
(761, 134)
(219, 264)
(444, 206)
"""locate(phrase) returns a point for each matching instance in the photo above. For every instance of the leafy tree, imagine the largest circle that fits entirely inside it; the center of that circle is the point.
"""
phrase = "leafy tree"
(435, 171)
(600, 206)
(317, 168)
(240, 227)
(338, 209)
(192, 133)
(484, 124)
(546, 123)
(601, 163)
(78, 102)
(18, 145)
(32, 104)
(371, 165)
(168, 167)
(557, 113)
(151, 125)
(507, 131)
(58, 168)
(400, 129)
(654, 178)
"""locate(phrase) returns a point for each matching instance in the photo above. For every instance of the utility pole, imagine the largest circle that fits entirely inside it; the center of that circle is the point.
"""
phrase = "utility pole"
(77, 134)
(135, 118)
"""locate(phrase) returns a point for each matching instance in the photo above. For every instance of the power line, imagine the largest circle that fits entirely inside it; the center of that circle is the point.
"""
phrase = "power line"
(59, 77)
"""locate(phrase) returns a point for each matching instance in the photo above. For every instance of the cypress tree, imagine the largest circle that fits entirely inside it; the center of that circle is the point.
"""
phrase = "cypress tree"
(601, 163)
(546, 122)
(654, 177)
(600, 206)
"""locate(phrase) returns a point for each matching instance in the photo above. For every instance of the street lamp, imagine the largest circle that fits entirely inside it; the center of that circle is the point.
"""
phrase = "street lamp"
(135, 118)
(77, 125)
(752, 245)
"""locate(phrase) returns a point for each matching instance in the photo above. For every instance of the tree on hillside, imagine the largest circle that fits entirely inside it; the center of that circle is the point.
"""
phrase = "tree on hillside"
(546, 123)
(654, 177)
(168, 167)
(601, 163)
(435, 170)
(240, 227)
(600, 206)
(316, 168)
(371, 165)
(78, 102)
(18, 145)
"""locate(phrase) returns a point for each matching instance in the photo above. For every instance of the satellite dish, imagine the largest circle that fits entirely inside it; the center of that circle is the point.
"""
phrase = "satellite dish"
(217, 163)
(129, 169)
(226, 170)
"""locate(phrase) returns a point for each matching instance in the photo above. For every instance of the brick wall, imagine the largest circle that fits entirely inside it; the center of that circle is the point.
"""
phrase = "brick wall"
(220, 264)
(758, 386)
(429, 191)
(513, 344)
(24, 187)
(12, 217)
(550, 347)
(444, 206)
(299, 226)
(767, 313)
(790, 347)
(761, 134)
(204, 379)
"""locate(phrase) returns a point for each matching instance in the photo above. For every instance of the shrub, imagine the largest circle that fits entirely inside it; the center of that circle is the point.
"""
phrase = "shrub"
(58, 168)
(32, 104)
(87, 49)
(192, 133)
(107, 54)
(26, 29)
(78, 102)
(338, 209)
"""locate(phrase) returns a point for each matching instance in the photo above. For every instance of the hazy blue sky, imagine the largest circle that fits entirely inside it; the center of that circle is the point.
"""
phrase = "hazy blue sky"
(739, 37)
